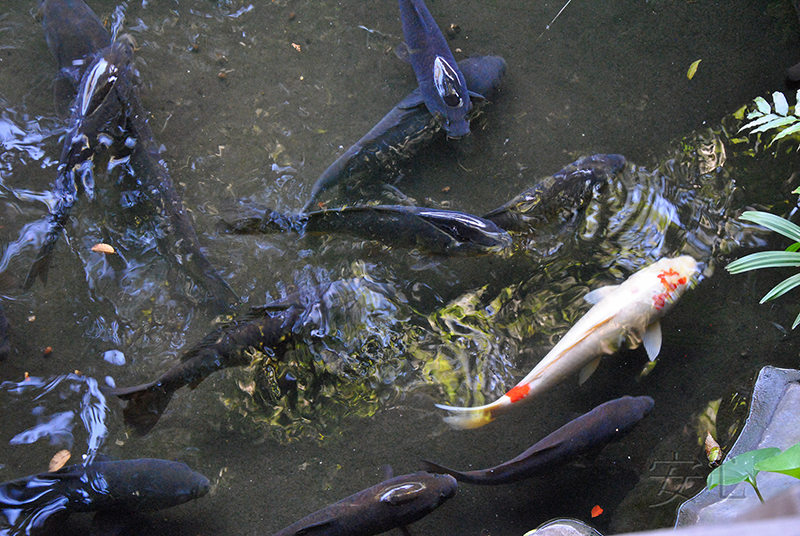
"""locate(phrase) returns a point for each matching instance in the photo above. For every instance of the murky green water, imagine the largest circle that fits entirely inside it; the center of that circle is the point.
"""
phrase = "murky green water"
(606, 77)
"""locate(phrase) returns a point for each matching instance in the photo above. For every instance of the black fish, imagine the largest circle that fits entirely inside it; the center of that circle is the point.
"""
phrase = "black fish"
(272, 329)
(590, 431)
(27, 504)
(441, 83)
(403, 132)
(98, 115)
(107, 114)
(396, 502)
(74, 34)
(436, 231)
(558, 197)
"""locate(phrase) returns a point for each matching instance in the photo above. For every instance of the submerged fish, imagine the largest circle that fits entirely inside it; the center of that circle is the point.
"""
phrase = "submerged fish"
(590, 431)
(559, 196)
(441, 83)
(272, 329)
(396, 502)
(27, 504)
(445, 232)
(97, 116)
(403, 132)
(627, 313)
(74, 34)
(107, 115)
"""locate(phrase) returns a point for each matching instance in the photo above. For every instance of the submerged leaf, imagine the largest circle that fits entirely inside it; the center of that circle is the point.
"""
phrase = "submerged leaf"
(791, 130)
(692, 69)
(762, 105)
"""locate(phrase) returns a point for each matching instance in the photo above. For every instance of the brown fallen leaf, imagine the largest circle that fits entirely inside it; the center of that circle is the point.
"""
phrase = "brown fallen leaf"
(103, 248)
(59, 460)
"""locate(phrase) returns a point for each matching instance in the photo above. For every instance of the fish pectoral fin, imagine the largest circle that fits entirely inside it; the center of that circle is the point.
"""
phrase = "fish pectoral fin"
(411, 101)
(651, 339)
(587, 371)
(598, 294)
(476, 97)
(402, 52)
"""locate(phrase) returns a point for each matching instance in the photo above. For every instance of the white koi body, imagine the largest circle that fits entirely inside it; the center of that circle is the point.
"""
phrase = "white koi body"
(627, 312)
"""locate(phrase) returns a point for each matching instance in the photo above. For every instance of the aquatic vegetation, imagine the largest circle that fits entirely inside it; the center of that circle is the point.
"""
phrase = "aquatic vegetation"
(746, 466)
(779, 120)
(773, 259)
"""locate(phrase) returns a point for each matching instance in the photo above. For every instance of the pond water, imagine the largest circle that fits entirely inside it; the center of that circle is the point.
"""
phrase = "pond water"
(252, 101)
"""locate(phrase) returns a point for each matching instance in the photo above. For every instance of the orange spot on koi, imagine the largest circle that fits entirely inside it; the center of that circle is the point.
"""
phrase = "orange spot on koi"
(519, 392)
(596, 511)
(660, 300)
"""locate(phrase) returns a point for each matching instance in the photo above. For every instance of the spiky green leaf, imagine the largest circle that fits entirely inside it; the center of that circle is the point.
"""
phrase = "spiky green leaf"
(777, 123)
(773, 223)
(764, 259)
(782, 288)
(760, 121)
(787, 132)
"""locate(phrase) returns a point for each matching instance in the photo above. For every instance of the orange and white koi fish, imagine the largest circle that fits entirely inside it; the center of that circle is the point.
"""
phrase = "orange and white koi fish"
(629, 312)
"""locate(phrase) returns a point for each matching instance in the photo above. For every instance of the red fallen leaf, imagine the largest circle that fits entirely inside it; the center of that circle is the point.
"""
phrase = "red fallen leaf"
(596, 511)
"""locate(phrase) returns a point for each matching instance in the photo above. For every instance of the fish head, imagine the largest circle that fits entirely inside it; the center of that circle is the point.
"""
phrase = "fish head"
(452, 101)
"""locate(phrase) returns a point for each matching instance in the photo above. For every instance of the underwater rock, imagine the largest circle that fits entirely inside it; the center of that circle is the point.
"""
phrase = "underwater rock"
(563, 527)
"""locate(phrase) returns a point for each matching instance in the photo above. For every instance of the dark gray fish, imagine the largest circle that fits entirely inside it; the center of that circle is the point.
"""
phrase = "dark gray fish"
(444, 232)
(38, 502)
(558, 198)
(403, 132)
(588, 432)
(272, 329)
(74, 35)
(442, 86)
(396, 502)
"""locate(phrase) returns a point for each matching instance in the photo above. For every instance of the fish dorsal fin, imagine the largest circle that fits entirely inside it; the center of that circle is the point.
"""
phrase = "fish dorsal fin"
(598, 294)
(402, 493)
(587, 371)
(651, 339)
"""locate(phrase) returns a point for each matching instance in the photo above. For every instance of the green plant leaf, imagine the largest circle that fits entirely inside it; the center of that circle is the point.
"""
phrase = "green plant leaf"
(777, 123)
(764, 259)
(782, 288)
(762, 105)
(787, 132)
(781, 106)
(773, 223)
(760, 121)
(787, 462)
(794, 247)
(740, 468)
(796, 321)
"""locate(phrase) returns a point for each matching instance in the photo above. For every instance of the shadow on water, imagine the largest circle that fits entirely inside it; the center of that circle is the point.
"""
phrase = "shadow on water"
(253, 103)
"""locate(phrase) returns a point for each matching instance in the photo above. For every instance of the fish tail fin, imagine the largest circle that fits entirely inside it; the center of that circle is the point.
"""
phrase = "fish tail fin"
(41, 264)
(468, 418)
(146, 404)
